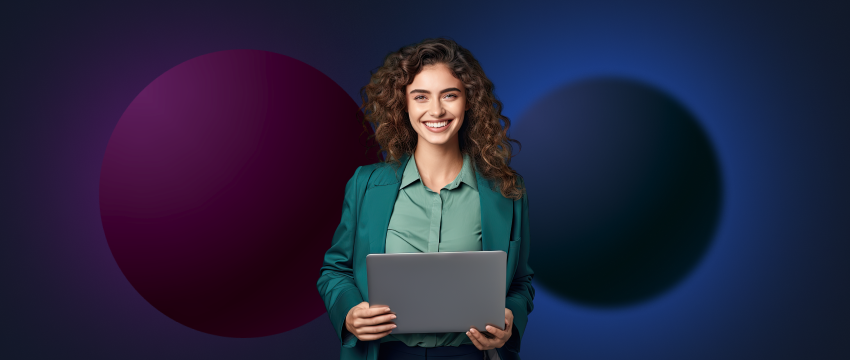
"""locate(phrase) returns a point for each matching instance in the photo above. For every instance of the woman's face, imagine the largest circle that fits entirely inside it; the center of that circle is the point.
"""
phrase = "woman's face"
(436, 101)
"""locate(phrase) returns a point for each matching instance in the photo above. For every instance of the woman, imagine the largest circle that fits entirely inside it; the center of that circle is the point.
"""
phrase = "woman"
(445, 186)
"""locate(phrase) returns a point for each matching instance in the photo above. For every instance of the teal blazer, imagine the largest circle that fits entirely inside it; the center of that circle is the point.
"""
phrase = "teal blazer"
(369, 199)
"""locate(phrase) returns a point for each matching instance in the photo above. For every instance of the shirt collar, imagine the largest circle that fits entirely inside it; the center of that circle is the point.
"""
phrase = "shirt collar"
(466, 176)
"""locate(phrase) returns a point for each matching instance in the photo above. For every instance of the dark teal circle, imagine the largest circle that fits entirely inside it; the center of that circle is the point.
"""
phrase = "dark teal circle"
(625, 191)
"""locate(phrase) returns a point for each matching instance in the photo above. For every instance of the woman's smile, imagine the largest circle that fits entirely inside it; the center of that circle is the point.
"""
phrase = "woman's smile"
(437, 125)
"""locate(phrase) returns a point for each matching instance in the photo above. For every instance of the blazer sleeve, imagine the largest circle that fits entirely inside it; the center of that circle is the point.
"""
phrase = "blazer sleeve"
(520, 296)
(336, 282)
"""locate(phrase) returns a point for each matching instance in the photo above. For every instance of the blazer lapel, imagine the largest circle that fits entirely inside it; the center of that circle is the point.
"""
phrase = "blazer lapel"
(383, 196)
(496, 210)
(496, 216)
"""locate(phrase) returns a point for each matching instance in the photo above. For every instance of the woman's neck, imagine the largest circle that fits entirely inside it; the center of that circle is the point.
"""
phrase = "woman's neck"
(438, 165)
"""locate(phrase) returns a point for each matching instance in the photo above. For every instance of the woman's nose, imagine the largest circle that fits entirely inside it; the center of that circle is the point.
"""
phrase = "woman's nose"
(436, 109)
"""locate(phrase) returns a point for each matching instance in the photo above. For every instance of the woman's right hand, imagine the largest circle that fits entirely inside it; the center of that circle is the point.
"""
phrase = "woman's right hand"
(369, 323)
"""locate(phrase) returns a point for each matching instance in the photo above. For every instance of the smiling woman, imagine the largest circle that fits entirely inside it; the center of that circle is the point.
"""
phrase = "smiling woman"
(445, 186)
(399, 93)
(446, 102)
(437, 116)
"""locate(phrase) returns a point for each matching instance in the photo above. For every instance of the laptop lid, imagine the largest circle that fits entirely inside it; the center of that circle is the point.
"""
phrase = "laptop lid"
(440, 291)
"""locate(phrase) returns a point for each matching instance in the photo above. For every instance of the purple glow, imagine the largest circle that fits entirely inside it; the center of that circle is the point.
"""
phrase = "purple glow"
(221, 187)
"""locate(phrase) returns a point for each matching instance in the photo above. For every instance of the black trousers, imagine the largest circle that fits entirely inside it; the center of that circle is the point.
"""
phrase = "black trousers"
(397, 350)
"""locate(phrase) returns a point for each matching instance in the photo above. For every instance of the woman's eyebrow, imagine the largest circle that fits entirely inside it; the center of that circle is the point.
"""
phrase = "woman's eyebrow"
(428, 92)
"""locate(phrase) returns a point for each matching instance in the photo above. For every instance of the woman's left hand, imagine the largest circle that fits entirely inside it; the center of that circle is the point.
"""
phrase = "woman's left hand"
(492, 338)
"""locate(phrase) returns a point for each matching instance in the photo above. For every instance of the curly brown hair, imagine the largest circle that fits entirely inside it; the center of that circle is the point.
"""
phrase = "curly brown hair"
(484, 132)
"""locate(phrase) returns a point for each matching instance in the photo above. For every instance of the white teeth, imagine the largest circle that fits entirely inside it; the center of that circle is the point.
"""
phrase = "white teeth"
(436, 124)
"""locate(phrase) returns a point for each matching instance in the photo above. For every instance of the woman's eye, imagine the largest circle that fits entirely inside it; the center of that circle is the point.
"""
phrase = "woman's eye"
(418, 97)
(453, 95)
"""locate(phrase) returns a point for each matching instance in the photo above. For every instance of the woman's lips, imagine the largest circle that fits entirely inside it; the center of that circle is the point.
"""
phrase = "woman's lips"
(439, 129)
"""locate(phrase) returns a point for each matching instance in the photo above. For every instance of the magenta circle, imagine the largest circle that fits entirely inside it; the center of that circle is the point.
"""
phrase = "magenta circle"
(221, 188)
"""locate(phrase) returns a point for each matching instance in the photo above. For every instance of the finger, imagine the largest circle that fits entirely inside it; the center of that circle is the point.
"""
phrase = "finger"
(370, 312)
(378, 310)
(376, 329)
(494, 330)
(508, 326)
(369, 337)
(485, 342)
(362, 323)
(377, 320)
(509, 317)
(355, 310)
(474, 340)
(498, 334)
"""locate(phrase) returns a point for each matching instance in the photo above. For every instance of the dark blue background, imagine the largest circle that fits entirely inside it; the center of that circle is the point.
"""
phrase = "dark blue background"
(769, 82)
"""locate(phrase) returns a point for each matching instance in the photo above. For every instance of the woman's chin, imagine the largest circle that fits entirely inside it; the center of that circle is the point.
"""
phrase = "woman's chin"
(437, 139)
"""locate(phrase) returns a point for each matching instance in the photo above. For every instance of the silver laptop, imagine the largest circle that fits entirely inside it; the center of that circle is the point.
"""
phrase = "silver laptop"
(440, 291)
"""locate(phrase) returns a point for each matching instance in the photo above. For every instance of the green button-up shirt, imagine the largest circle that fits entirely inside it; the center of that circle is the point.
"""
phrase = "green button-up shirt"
(427, 221)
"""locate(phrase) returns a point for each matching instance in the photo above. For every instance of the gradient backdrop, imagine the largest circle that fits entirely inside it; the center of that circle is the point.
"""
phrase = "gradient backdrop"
(768, 85)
